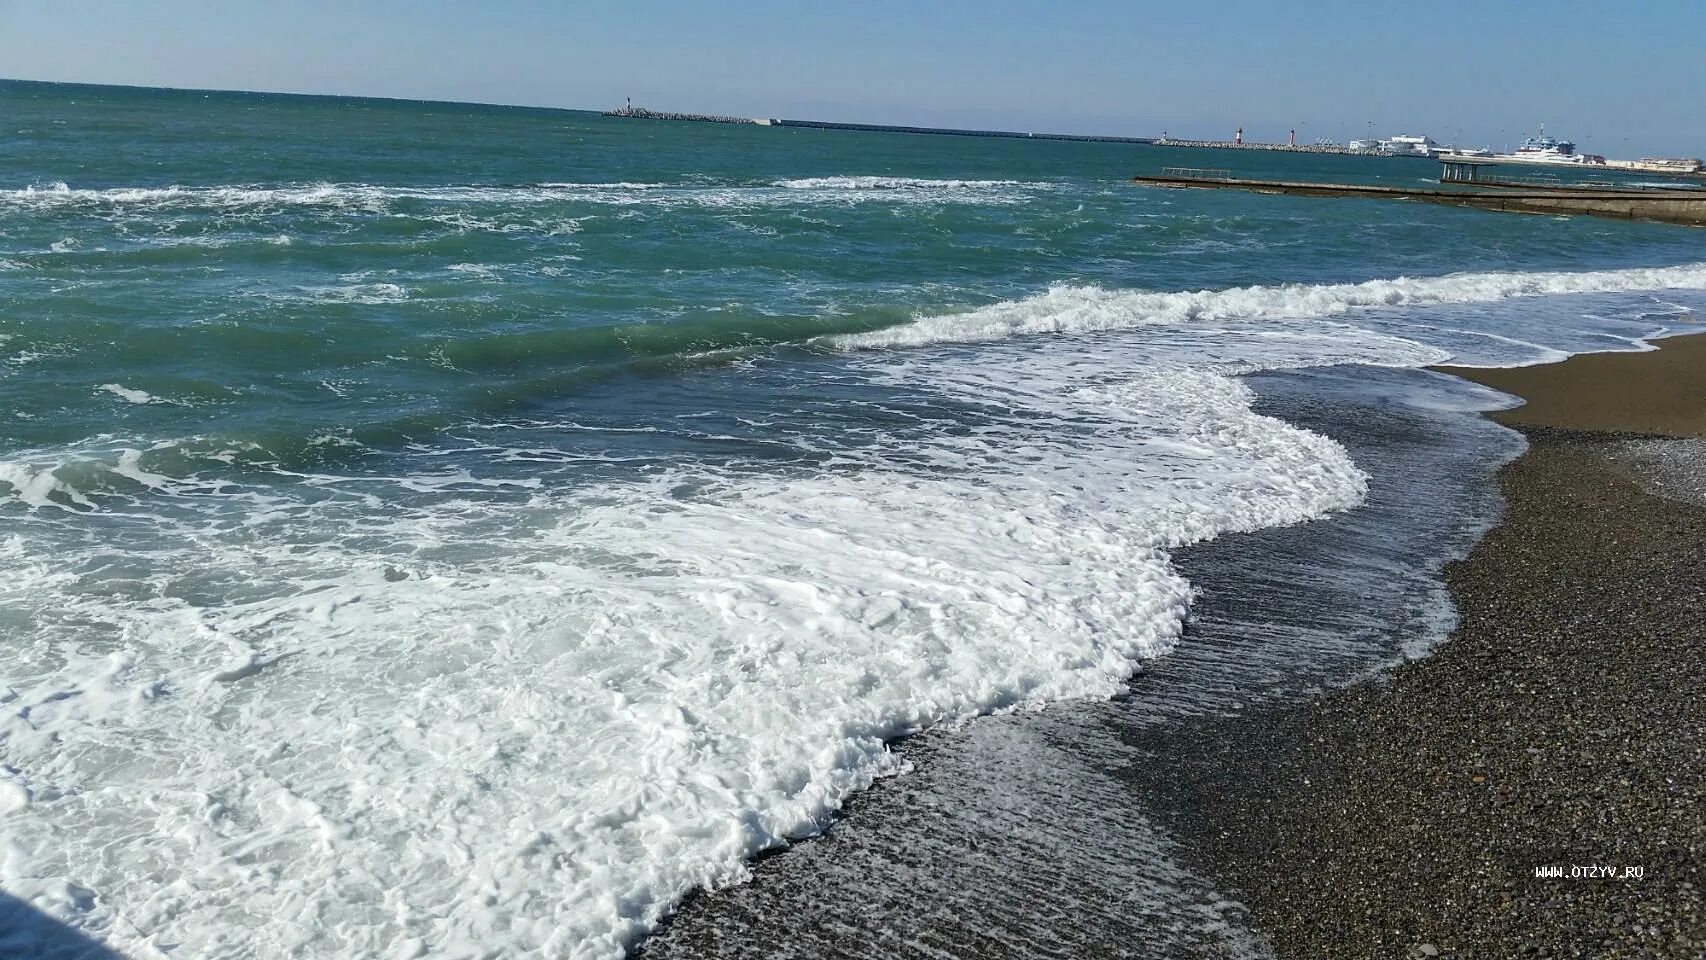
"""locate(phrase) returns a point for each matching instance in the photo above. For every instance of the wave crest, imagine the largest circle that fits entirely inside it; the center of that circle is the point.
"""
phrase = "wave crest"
(379, 198)
(1088, 309)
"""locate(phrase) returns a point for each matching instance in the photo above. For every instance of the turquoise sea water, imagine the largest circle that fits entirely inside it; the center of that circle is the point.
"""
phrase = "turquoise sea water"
(472, 528)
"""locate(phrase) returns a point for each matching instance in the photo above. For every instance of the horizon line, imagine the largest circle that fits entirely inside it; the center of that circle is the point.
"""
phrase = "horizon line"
(874, 126)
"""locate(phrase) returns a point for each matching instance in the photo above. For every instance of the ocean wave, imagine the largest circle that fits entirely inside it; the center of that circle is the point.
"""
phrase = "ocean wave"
(376, 198)
(1275, 326)
(632, 687)
(95, 477)
(129, 395)
(903, 183)
(365, 293)
(1086, 309)
(618, 185)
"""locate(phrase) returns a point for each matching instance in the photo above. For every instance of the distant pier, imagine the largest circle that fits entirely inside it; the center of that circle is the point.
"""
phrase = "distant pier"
(641, 113)
(1682, 206)
(1677, 168)
(632, 112)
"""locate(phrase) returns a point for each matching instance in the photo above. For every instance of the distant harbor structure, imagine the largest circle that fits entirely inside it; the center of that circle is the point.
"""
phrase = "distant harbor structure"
(1535, 150)
(1548, 151)
(629, 111)
(1239, 143)
(1398, 146)
(1684, 166)
(1409, 146)
(1476, 182)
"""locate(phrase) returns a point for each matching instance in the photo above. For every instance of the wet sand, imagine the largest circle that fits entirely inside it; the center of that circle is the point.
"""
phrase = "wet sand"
(1560, 729)
(1658, 393)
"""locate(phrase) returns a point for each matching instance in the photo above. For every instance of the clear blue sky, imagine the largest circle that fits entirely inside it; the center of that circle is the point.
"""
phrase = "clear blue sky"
(1622, 77)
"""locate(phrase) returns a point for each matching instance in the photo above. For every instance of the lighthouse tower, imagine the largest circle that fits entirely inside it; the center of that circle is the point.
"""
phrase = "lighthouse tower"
(1239, 136)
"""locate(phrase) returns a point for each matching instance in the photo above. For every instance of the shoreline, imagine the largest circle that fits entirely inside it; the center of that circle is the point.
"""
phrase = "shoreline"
(1251, 821)
(1036, 834)
(1659, 392)
(1554, 730)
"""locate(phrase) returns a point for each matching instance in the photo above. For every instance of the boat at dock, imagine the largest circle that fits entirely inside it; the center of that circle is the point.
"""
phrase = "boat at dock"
(1547, 151)
(1402, 145)
(1408, 146)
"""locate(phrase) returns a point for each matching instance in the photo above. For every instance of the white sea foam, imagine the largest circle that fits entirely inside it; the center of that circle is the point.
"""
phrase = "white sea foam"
(129, 395)
(23, 358)
(368, 293)
(479, 271)
(900, 183)
(1078, 309)
(618, 185)
(375, 198)
(79, 479)
(342, 722)
(36, 485)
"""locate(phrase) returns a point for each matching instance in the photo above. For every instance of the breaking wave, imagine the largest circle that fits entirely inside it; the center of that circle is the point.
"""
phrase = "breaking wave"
(1079, 309)
(380, 198)
(436, 710)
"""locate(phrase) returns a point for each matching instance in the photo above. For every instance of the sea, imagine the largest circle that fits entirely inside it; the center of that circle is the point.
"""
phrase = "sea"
(446, 530)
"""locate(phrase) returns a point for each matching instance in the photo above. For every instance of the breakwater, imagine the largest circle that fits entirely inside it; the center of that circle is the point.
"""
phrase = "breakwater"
(1667, 206)
(641, 113)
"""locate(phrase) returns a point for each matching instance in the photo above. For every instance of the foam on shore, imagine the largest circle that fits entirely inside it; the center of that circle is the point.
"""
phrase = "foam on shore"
(436, 713)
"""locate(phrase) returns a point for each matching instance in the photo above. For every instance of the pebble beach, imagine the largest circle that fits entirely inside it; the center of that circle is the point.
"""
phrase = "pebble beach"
(1493, 798)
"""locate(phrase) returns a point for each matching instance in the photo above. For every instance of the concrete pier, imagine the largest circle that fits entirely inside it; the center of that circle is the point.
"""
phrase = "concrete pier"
(1666, 206)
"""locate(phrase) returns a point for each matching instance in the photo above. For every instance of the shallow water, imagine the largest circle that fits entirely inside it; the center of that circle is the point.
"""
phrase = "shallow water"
(470, 529)
(1043, 834)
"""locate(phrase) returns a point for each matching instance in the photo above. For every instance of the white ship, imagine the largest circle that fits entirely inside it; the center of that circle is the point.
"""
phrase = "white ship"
(1546, 150)
(1407, 146)
(1402, 145)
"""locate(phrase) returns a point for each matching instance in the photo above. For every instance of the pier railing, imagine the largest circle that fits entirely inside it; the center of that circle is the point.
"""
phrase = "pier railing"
(1196, 173)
